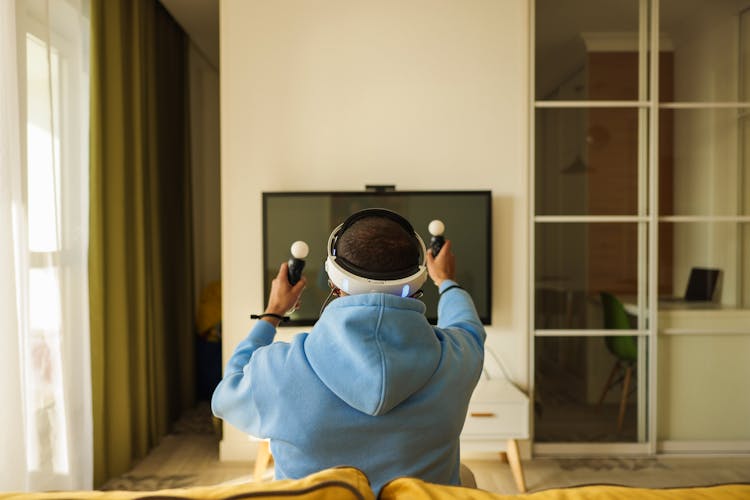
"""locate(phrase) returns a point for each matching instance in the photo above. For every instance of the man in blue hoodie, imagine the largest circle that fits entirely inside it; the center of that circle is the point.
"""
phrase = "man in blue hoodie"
(373, 385)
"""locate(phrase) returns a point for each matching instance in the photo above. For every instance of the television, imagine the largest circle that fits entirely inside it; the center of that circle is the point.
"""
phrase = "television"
(312, 216)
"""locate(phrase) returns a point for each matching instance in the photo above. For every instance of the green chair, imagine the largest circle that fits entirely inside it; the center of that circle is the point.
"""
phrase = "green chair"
(623, 347)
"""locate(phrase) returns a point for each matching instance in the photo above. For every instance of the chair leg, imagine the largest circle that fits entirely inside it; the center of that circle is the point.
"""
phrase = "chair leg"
(624, 397)
(607, 386)
(262, 460)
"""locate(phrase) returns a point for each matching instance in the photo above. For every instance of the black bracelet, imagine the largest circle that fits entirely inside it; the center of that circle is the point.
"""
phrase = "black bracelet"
(272, 315)
(450, 288)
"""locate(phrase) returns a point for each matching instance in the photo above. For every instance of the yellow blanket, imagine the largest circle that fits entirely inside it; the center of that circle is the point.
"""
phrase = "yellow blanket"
(349, 483)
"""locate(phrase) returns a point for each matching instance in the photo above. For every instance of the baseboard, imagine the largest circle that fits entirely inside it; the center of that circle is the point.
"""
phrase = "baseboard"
(589, 449)
(671, 447)
(244, 450)
(491, 450)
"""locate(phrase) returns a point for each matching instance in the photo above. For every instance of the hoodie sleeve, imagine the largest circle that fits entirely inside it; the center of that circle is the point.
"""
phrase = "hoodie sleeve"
(456, 311)
(234, 398)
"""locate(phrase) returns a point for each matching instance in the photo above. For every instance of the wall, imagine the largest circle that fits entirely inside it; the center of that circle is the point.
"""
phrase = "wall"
(336, 94)
(705, 146)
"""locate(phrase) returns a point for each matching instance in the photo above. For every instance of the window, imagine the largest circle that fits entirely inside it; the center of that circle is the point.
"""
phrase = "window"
(55, 109)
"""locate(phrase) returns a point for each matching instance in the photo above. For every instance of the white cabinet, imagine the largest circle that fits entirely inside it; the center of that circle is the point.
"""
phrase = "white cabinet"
(703, 401)
(498, 411)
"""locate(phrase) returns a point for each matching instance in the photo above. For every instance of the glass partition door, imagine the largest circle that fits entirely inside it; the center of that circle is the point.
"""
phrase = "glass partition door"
(639, 178)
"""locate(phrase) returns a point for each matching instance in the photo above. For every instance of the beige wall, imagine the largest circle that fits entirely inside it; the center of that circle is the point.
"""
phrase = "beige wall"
(336, 94)
(706, 145)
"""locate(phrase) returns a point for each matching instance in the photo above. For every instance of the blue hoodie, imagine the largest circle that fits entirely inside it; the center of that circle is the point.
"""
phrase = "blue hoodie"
(373, 385)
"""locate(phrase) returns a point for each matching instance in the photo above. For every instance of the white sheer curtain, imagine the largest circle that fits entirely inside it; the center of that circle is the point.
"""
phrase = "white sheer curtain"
(45, 414)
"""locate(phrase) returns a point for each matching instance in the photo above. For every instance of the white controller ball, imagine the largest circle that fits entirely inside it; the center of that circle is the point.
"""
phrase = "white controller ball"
(300, 249)
(436, 228)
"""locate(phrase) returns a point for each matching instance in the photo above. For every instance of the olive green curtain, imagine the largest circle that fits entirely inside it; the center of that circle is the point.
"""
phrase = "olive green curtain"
(140, 255)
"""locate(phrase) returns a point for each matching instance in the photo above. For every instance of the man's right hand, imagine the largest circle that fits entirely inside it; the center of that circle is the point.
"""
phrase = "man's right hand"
(283, 297)
(442, 267)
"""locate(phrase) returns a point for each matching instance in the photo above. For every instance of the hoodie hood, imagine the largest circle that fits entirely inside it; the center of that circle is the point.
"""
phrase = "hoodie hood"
(373, 350)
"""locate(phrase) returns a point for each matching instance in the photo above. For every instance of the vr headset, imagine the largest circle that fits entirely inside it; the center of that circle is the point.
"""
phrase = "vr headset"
(354, 280)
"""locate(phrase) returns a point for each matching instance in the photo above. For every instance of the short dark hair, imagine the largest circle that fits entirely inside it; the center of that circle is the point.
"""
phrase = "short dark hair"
(378, 244)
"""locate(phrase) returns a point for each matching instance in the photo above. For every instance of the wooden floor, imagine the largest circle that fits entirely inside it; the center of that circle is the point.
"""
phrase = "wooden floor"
(192, 459)
(542, 474)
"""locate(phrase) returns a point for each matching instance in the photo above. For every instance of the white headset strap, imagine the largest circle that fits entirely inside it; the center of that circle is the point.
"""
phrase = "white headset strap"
(353, 284)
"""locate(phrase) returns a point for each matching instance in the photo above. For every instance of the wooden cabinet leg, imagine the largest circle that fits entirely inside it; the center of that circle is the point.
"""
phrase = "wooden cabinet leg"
(503, 457)
(261, 460)
(514, 459)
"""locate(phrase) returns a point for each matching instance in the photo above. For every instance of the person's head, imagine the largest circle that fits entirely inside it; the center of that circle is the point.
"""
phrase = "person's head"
(382, 249)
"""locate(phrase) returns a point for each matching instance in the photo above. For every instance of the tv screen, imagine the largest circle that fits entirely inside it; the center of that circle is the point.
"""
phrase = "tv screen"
(311, 216)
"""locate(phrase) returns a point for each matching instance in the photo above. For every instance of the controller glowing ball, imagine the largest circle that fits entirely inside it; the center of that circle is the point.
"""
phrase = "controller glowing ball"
(300, 250)
(436, 229)
(297, 263)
